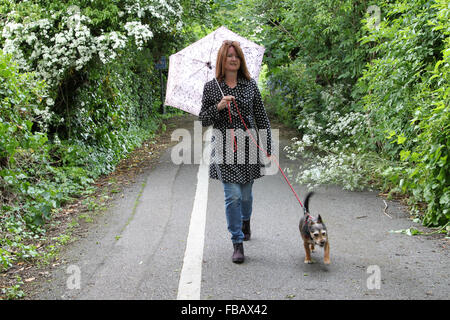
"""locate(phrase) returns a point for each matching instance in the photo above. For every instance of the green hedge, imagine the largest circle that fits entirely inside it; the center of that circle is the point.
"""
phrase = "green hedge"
(78, 93)
(368, 91)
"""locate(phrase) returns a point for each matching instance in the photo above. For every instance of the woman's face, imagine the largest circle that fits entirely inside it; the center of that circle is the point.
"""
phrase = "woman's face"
(233, 63)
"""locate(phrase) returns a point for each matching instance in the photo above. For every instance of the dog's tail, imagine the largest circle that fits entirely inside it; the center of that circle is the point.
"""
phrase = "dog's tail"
(306, 202)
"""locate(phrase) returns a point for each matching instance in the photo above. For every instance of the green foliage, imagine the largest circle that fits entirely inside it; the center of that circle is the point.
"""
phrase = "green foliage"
(111, 113)
(407, 100)
(369, 94)
(14, 292)
(23, 151)
(78, 93)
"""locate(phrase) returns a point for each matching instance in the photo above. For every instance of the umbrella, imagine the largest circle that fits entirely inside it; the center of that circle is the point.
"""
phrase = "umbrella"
(192, 67)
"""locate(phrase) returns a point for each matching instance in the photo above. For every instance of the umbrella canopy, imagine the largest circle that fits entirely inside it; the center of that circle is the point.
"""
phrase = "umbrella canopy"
(192, 67)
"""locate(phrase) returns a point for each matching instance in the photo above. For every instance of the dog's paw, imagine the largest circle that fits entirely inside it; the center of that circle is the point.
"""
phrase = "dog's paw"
(326, 261)
(308, 261)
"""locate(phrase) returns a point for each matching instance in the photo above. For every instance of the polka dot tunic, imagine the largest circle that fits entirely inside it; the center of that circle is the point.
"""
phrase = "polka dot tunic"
(238, 161)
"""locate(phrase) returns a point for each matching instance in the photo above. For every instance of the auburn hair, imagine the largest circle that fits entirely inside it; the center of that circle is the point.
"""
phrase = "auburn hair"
(222, 57)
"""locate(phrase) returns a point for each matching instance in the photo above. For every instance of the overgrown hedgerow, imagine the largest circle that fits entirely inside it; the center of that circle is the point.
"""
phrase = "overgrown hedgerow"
(369, 94)
(79, 91)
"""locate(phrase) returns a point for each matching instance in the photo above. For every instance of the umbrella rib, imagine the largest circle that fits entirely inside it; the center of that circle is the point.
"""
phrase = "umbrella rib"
(193, 59)
(197, 71)
(192, 74)
(200, 61)
(212, 46)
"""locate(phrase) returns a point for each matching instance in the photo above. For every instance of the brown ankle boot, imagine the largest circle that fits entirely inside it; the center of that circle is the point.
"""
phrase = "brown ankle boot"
(238, 254)
(246, 230)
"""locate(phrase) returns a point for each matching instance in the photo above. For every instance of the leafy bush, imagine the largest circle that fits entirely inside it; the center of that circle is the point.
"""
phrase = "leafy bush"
(37, 175)
(371, 101)
(23, 152)
(79, 92)
(408, 103)
(57, 38)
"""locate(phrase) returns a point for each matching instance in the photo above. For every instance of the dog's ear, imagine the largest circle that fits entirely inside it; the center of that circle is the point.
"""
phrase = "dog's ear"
(319, 219)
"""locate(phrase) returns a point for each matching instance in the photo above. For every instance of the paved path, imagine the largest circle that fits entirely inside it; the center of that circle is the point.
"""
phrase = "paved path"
(138, 249)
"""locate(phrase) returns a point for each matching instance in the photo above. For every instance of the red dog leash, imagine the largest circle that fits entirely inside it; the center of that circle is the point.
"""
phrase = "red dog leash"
(256, 143)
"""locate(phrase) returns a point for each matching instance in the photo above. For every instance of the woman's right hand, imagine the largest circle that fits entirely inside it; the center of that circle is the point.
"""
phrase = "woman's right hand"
(224, 102)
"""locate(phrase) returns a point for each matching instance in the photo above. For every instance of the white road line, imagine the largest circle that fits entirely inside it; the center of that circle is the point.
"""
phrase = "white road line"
(191, 273)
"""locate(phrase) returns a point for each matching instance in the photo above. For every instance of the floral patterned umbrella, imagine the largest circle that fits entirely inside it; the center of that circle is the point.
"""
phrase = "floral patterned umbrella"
(192, 67)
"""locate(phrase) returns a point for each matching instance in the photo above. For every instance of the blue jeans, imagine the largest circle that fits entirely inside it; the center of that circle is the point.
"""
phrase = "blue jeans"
(238, 207)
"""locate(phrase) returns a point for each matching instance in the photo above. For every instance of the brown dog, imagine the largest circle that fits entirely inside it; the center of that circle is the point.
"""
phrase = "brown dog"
(313, 232)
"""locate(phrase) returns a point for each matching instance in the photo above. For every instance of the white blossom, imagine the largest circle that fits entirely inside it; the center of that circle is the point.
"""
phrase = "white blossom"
(72, 45)
(50, 101)
(141, 33)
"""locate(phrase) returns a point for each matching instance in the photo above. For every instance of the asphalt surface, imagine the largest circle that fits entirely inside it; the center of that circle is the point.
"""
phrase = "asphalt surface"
(135, 250)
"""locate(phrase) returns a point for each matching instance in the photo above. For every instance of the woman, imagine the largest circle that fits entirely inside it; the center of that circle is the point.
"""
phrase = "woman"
(233, 162)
